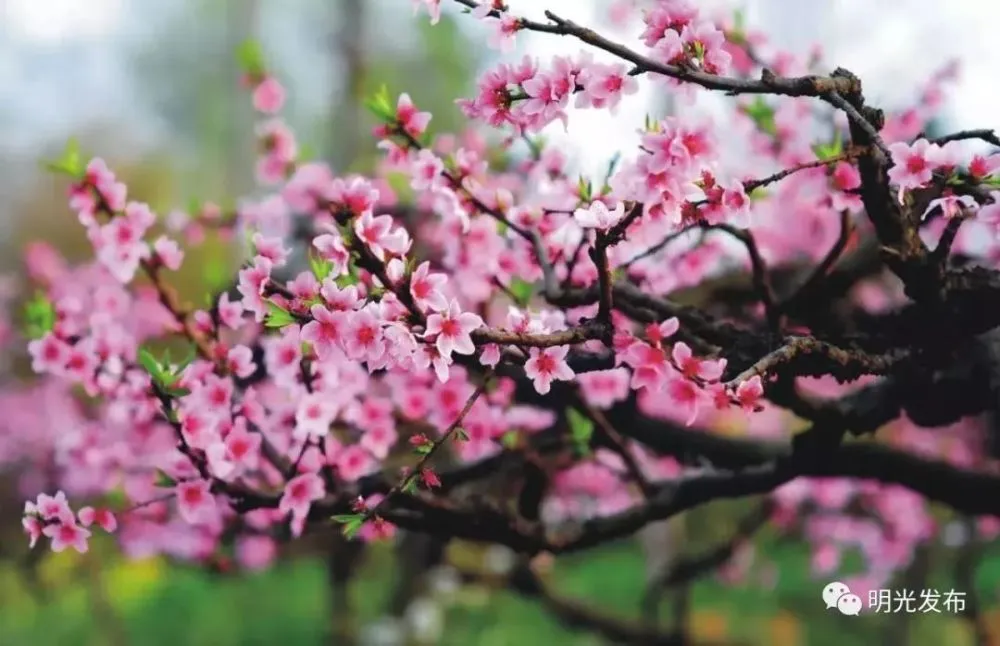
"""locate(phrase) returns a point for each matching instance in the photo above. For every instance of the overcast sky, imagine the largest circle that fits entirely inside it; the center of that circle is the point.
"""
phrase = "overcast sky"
(60, 60)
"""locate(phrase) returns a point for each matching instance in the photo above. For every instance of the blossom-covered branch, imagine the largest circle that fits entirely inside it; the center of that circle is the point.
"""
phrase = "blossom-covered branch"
(577, 338)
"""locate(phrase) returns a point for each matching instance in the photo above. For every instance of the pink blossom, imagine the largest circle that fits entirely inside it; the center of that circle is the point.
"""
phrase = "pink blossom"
(48, 354)
(103, 517)
(426, 171)
(694, 368)
(33, 528)
(331, 248)
(65, 535)
(240, 362)
(315, 413)
(299, 495)
(378, 235)
(604, 86)
(353, 462)
(665, 17)
(603, 388)
(982, 167)
(364, 339)
(272, 248)
(686, 395)
(452, 330)
(52, 508)
(950, 205)
(256, 552)
(407, 116)
(649, 365)
(168, 253)
(426, 288)
(195, 502)
(230, 312)
(490, 355)
(484, 8)
(913, 166)
(504, 31)
(546, 365)
(326, 331)
(657, 333)
(988, 213)
(243, 447)
(269, 96)
(749, 393)
(597, 216)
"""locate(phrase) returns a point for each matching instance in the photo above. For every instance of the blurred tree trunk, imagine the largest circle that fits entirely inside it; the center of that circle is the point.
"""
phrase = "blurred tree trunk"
(345, 134)
(342, 561)
(242, 21)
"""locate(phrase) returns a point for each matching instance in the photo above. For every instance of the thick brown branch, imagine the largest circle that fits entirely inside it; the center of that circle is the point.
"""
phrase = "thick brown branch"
(823, 357)
(985, 134)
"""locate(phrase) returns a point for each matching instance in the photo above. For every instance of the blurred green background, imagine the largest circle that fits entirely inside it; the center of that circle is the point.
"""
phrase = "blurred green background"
(180, 129)
(102, 599)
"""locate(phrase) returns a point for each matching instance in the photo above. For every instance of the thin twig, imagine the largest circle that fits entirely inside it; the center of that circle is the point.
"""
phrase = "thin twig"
(406, 482)
(825, 265)
(620, 446)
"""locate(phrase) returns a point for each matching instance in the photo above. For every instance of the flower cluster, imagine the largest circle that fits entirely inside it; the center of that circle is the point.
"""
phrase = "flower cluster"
(51, 516)
(493, 309)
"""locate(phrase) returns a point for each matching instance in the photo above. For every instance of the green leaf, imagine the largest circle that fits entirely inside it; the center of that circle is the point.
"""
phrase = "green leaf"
(250, 56)
(320, 267)
(585, 189)
(348, 279)
(150, 363)
(581, 430)
(163, 480)
(410, 486)
(352, 528)
(70, 162)
(511, 439)
(739, 20)
(829, 150)
(423, 449)
(460, 435)
(522, 291)
(737, 34)
(162, 372)
(346, 518)
(351, 523)
(762, 115)
(39, 316)
(306, 152)
(380, 105)
(277, 316)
